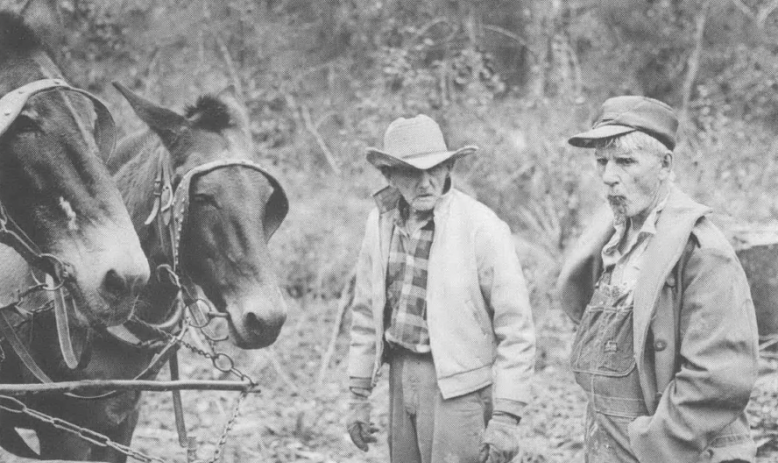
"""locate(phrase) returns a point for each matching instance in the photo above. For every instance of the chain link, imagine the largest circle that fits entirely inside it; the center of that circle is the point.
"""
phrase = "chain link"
(222, 443)
(15, 406)
(215, 357)
(220, 361)
(227, 367)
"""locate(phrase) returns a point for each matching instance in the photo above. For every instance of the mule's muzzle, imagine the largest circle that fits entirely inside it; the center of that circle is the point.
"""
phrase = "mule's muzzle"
(262, 332)
(118, 285)
(255, 321)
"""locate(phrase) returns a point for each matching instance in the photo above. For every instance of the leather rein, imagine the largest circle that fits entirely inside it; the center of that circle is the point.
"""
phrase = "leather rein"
(58, 272)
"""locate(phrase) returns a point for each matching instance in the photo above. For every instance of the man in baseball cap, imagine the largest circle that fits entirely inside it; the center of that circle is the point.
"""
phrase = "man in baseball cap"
(440, 296)
(666, 345)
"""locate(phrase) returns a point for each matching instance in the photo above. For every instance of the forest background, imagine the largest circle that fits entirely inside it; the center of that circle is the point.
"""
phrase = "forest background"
(322, 80)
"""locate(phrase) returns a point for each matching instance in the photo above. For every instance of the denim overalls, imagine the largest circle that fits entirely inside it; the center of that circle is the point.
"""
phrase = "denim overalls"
(604, 366)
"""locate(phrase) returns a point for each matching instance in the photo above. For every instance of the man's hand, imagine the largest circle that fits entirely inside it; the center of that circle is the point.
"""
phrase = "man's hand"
(500, 444)
(358, 422)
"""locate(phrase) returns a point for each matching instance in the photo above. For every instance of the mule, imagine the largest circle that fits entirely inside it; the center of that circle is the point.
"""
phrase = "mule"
(53, 184)
(227, 206)
(59, 209)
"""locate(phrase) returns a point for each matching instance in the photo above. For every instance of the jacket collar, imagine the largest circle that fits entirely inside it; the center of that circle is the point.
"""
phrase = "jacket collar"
(674, 227)
(387, 200)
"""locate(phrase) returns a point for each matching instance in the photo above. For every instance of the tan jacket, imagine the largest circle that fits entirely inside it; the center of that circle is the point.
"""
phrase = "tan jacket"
(478, 313)
(695, 335)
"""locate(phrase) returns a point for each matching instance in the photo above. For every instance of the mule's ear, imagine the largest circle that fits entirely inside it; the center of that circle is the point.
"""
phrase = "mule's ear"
(240, 113)
(229, 92)
(169, 125)
(44, 18)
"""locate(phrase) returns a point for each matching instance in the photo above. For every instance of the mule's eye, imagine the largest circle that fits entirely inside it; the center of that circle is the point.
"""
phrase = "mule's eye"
(203, 200)
(25, 124)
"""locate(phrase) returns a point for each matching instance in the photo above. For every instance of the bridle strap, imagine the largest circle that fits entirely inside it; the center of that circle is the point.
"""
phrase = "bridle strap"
(168, 214)
(9, 333)
(181, 197)
(13, 236)
(72, 360)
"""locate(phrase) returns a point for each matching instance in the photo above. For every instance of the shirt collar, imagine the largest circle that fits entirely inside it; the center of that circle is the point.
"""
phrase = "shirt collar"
(400, 214)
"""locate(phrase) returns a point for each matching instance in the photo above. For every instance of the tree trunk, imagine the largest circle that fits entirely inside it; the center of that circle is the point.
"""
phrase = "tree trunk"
(693, 64)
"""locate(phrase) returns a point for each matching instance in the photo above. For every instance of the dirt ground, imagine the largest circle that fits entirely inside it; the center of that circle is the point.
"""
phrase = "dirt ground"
(297, 419)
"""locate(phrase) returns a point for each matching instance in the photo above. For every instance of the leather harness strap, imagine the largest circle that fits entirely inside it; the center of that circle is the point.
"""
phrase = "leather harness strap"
(63, 328)
(11, 105)
(9, 333)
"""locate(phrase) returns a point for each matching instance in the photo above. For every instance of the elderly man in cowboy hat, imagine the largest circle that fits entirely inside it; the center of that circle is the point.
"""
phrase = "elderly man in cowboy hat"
(666, 345)
(440, 296)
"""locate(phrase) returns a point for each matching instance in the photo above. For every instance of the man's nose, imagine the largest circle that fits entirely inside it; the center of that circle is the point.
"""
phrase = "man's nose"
(426, 179)
(609, 176)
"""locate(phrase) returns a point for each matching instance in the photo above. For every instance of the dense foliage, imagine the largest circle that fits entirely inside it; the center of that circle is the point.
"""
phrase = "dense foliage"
(323, 79)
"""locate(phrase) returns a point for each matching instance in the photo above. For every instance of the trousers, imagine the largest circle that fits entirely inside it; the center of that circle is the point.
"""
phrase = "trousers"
(423, 426)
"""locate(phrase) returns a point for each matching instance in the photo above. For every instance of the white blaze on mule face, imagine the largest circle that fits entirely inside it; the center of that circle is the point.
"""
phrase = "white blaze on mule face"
(69, 213)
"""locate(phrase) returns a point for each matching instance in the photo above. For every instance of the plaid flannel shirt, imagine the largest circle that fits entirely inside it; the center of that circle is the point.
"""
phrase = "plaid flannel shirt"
(406, 286)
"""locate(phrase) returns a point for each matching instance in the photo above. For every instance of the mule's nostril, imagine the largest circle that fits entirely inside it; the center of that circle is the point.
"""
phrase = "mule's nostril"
(252, 322)
(115, 284)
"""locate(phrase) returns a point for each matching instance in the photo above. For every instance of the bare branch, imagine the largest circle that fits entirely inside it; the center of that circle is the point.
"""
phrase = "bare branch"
(346, 297)
(306, 114)
(502, 31)
(695, 57)
(230, 65)
(744, 8)
(764, 13)
(427, 26)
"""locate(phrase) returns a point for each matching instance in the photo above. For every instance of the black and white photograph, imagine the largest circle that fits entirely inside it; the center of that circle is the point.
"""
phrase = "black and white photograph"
(389, 231)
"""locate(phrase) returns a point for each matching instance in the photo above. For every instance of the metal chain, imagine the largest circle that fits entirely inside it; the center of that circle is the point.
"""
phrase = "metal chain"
(217, 360)
(13, 405)
(221, 361)
(222, 443)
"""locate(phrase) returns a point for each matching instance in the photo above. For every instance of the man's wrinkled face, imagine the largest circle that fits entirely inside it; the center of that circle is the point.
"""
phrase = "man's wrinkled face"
(421, 189)
(632, 179)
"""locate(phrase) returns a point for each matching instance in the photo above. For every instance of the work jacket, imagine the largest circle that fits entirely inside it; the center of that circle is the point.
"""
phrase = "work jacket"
(478, 314)
(695, 335)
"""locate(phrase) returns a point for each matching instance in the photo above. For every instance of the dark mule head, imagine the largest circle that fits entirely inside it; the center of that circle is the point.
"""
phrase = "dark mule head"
(233, 211)
(52, 180)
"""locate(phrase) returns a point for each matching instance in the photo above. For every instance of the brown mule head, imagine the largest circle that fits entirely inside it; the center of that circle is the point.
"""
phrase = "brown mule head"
(53, 182)
(232, 212)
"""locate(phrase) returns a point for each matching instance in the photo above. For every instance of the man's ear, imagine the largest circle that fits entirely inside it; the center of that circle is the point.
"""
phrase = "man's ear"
(387, 173)
(667, 161)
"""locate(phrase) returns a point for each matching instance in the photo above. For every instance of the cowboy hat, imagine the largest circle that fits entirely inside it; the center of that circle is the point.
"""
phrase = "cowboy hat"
(417, 143)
